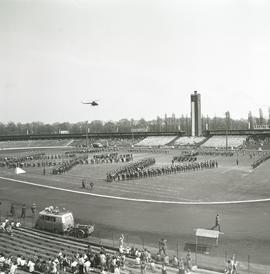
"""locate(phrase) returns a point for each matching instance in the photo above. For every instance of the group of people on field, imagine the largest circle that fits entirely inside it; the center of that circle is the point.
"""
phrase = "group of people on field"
(13, 162)
(34, 160)
(149, 150)
(67, 165)
(215, 153)
(111, 158)
(184, 158)
(260, 160)
(130, 170)
(87, 150)
(138, 173)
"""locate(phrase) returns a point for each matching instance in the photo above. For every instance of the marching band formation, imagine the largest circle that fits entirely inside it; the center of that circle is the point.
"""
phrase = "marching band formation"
(67, 165)
(111, 158)
(140, 169)
(261, 159)
(127, 172)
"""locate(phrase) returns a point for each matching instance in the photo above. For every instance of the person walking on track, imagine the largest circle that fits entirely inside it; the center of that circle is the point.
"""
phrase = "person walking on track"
(217, 223)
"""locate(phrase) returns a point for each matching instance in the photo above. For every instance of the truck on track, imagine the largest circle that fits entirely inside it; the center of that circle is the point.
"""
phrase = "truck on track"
(62, 222)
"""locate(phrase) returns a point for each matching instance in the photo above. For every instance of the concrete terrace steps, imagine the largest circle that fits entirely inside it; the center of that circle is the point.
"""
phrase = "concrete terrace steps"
(156, 141)
(46, 244)
(33, 245)
(189, 141)
(65, 240)
(8, 247)
(203, 141)
(54, 238)
(12, 243)
(171, 143)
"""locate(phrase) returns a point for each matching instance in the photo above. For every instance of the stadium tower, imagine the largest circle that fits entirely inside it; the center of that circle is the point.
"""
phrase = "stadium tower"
(196, 123)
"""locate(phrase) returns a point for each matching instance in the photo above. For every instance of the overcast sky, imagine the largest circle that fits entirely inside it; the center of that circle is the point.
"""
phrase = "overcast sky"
(140, 58)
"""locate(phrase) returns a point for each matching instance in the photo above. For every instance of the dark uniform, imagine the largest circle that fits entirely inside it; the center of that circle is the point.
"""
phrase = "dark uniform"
(217, 223)
(12, 210)
(23, 215)
(83, 183)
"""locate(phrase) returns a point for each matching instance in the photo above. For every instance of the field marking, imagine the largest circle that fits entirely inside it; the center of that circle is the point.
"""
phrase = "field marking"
(122, 187)
(134, 199)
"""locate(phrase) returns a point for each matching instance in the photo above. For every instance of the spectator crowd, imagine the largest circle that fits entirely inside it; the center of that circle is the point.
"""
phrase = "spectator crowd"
(91, 261)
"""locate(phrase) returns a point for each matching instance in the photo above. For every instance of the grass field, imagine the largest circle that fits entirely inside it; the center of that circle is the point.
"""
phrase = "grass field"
(228, 182)
(245, 226)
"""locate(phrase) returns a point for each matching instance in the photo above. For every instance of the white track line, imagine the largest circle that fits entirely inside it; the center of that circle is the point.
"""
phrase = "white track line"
(133, 199)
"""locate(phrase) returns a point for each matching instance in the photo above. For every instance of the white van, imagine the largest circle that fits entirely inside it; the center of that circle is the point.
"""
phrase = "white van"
(54, 220)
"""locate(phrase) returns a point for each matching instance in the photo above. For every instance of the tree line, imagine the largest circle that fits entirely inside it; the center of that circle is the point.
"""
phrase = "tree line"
(167, 124)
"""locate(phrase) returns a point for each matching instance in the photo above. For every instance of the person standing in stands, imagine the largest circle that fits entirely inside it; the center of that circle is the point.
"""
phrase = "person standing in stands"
(143, 267)
(31, 265)
(189, 261)
(217, 223)
(12, 210)
(228, 268)
(163, 246)
(23, 215)
(181, 266)
(34, 209)
(234, 264)
(13, 268)
(163, 269)
(81, 264)
(91, 186)
(83, 184)
(121, 241)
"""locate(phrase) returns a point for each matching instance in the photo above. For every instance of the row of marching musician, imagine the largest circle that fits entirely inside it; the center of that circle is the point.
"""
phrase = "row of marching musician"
(69, 164)
(111, 158)
(165, 170)
(129, 169)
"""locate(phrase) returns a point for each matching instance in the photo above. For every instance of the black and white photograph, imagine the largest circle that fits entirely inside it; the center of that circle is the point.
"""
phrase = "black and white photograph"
(134, 136)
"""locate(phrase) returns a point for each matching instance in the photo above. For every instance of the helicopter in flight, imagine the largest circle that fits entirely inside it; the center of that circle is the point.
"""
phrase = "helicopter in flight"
(93, 103)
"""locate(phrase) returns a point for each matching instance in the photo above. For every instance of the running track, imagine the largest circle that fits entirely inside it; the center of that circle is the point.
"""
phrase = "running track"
(245, 224)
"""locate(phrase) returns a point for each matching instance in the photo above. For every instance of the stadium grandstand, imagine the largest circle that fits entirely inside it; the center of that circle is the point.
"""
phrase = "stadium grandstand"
(258, 142)
(35, 143)
(223, 141)
(157, 141)
(106, 142)
(249, 140)
(189, 141)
